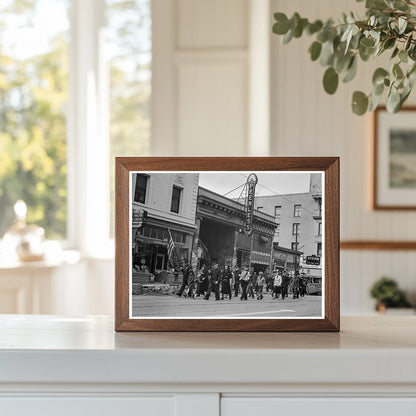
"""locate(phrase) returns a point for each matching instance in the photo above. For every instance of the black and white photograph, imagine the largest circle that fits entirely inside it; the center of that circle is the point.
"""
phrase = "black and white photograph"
(227, 244)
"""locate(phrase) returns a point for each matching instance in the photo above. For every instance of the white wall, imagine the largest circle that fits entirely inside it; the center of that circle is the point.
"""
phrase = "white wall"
(223, 86)
(308, 122)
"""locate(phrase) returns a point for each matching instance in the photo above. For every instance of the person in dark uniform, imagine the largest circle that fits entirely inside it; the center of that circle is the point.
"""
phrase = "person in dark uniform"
(226, 282)
(186, 269)
(285, 285)
(236, 279)
(202, 281)
(214, 282)
(295, 287)
(191, 284)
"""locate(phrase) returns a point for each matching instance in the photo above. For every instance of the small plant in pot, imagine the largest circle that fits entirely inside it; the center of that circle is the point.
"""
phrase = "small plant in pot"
(387, 294)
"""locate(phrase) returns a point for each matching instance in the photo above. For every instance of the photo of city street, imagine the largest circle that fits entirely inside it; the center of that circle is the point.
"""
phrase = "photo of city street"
(226, 244)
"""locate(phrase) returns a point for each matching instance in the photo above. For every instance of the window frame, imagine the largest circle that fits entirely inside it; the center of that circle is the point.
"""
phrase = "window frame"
(146, 178)
(277, 211)
(175, 187)
(296, 210)
(295, 228)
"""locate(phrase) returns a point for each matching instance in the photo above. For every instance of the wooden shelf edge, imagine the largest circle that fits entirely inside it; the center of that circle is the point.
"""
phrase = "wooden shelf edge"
(378, 245)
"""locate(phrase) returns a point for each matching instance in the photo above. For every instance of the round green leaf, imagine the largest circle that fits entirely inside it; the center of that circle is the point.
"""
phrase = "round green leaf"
(359, 103)
(315, 50)
(282, 25)
(314, 27)
(330, 80)
(379, 75)
(397, 71)
(351, 71)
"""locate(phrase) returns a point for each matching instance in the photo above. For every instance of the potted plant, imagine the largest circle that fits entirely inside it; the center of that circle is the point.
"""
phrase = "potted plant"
(387, 294)
(389, 27)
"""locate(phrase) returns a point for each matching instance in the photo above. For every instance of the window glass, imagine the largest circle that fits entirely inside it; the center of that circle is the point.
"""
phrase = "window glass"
(129, 56)
(295, 229)
(176, 198)
(277, 211)
(33, 111)
(296, 212)
(141, 188)
(319, 249)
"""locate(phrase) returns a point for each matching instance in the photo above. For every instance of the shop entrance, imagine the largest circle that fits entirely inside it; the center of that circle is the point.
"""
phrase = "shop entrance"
(218, 238)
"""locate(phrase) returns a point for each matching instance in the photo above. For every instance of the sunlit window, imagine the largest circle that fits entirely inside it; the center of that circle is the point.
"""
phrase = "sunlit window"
(33, 105)
(129, 45)
(36, 92)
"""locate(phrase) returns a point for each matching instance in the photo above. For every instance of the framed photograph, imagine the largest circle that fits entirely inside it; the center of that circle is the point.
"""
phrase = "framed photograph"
(394, 176)
(227, 244)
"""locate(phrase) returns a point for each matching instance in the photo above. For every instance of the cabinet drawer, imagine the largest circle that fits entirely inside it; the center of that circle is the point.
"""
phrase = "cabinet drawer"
(273, 406)
(87, 406)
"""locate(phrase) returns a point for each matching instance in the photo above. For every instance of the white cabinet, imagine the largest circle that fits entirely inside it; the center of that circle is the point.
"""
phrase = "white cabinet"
(324, 406)
(73, 405)
(79, 366)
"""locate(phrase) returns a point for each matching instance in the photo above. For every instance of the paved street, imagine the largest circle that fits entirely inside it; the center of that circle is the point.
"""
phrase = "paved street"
(174, 306)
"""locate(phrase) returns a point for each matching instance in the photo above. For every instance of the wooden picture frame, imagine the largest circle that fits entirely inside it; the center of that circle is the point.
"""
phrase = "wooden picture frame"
(127, 167)
(391, 175)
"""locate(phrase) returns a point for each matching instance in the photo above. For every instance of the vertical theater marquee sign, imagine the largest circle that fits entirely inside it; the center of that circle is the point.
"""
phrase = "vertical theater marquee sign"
(251, 190)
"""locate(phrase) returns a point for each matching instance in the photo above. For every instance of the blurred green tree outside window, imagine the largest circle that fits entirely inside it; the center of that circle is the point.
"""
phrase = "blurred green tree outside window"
(129, 46)
(33, 99)
(34, 91)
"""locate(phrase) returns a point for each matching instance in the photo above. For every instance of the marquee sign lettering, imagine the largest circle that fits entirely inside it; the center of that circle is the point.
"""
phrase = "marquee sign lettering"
(251, 189)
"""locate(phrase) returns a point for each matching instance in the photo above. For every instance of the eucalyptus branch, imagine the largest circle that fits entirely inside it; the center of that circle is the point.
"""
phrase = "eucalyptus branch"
(389, 25)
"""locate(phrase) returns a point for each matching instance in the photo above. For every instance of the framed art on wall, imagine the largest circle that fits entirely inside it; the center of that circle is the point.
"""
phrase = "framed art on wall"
(227, 244)
(394, 154)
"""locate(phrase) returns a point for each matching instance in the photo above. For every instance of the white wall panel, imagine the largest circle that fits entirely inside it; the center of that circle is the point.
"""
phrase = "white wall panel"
(212, 108)
(212, 24)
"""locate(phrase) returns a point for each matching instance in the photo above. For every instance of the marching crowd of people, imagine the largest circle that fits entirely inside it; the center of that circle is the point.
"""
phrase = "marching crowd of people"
(226, 283)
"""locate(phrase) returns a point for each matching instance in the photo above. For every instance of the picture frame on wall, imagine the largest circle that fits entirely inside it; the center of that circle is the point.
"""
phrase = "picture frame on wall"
(227, 244)
(394, 159)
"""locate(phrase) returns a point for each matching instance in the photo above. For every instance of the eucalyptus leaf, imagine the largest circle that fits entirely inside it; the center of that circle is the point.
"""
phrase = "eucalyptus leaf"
(315, 50)
(359, 103)
(397, 71)
(330, 80)
(314, 27)
(351, 71)
(288, 37)
(327, 53)
(379, 75)
(393, 101)
(281, 27)
(374, 102)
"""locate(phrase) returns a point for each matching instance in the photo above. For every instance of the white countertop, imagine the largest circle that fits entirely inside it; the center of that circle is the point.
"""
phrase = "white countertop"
(53, 349)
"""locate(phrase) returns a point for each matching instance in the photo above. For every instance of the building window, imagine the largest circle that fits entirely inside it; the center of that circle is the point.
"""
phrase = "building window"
(277, 211)
(319, 249)
(260, 208)
(295, 246)
(176, 199)
(141, 188)
(296, 211)
(277, 230)
(178, 237)
(295, 228)
(320, 228)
